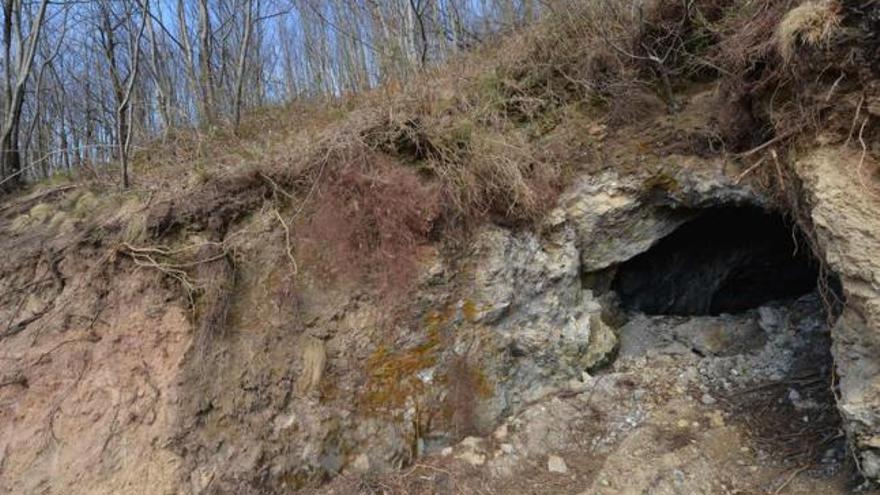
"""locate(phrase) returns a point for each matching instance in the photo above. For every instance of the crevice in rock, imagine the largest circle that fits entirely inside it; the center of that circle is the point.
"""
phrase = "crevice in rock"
(727, 260)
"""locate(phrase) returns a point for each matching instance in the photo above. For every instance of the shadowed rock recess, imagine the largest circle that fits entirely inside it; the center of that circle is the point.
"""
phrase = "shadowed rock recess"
(727, 260)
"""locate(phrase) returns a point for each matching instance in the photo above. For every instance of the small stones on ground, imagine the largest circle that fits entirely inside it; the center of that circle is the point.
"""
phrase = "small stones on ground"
(556, 464)
(708, 400)
(716, 419)
(472, 451)
(679, 477)
(500, 433)
(597, 131)
(472, 458)
(361, 463)
(472, 443)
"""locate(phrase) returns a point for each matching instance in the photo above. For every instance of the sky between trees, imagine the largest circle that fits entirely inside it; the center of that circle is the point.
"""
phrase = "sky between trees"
(86, 80)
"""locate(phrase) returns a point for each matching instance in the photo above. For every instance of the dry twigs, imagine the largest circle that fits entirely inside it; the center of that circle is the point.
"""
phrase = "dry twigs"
(788, 480)
(150, 257)
(288, 248)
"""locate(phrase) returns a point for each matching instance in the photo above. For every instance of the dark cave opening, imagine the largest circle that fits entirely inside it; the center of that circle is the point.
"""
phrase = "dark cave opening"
(738, 291)
(727, 260)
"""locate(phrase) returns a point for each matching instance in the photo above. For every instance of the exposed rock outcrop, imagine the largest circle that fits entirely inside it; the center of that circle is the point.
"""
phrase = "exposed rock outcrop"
(847, 223)
(306, 383)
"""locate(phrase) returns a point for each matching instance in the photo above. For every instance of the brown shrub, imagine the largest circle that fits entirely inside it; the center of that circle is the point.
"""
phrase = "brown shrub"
(611, 51)
(785, 65)
(570, 57)
(671, 36)
(368, 218)
(747, 38)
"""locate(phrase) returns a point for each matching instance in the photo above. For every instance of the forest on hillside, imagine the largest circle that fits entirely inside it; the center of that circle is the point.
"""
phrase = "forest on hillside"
(86, 82)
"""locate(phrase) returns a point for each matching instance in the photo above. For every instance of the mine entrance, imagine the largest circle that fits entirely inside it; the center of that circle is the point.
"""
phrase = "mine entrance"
(727, 260)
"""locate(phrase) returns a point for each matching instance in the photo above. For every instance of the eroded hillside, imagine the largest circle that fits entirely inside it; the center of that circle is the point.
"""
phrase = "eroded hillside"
(607, 254)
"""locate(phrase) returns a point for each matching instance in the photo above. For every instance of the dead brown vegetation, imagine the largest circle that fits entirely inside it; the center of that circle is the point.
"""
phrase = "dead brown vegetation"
(366, 221)
(363, 192)
(360, 183)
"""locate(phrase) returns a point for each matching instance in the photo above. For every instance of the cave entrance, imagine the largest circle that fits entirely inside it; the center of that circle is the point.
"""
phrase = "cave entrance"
(732, 298)
(727, 260)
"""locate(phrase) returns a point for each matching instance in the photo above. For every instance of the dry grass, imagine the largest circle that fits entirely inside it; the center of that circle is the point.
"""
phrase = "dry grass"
(790, 70)
(369, 179)
(495, 135)
(812, 24)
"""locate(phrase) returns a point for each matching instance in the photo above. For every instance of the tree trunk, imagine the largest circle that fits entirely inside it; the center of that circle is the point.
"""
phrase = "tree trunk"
(10, 157)
(205, 63)
(242, 61)
(10, 154)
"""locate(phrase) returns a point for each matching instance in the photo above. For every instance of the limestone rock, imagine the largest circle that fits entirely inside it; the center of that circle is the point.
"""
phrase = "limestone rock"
(472, 451)
(615, 218)
(556, 464)
(602, 344)
(528, 292)
(314, 358)
(361, 463)
(847, 222)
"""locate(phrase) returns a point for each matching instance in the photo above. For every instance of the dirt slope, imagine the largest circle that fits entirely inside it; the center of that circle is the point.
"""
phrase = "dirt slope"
(415, 291)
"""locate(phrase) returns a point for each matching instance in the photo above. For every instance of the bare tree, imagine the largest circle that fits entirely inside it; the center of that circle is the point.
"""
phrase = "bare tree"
(18, 58)
(123, 74)
(242, 59)
(159, 71)
(205, 62)
(206, 74)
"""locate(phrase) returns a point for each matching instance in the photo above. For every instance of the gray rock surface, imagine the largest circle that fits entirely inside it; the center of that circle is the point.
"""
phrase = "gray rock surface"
(615, 218)
(283, 400)
(651, 423)
(847, 222)
(528, 286)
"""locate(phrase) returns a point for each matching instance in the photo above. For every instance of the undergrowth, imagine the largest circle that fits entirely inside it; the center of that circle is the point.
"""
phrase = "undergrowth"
(366, 221)
(361, 182)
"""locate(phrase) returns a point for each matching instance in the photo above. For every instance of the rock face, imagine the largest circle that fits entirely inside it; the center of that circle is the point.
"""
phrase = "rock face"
(88, 394)
(305, 385)
(615, 218)
(544, 293)
(529, 288)
(650, 422)
(847, 222)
